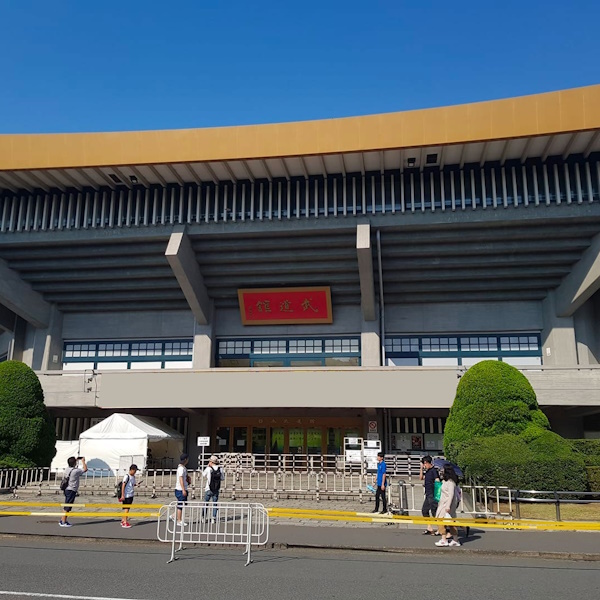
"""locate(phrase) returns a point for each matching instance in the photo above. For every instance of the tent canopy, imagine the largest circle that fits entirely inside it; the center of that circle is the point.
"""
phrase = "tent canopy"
(123, 426)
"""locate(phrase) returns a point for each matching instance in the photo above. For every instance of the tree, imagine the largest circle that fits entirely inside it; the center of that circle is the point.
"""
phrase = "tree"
(498, 434)
(27, 436)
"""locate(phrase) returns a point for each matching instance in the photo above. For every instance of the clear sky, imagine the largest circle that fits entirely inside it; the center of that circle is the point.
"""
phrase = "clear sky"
(80, 65)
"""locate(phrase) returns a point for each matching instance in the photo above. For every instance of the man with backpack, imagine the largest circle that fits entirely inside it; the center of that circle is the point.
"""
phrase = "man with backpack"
(126, 492)
(70, 484)
(431, 479)
(214, 475)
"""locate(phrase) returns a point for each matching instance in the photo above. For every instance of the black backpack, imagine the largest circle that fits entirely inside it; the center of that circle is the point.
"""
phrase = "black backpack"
(64, 482)
(214, 484)
(119, 486)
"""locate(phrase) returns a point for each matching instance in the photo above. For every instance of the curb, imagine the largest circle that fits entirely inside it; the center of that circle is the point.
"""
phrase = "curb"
(532, 554)
(574, 556)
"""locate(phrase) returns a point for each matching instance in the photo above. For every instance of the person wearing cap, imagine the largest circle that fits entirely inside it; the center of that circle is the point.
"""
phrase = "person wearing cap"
(213, 475)
(181, 486)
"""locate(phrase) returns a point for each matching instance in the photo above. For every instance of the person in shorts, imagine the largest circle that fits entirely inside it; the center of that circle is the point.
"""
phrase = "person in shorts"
(73, 473)
(127, 493)
(181, 486)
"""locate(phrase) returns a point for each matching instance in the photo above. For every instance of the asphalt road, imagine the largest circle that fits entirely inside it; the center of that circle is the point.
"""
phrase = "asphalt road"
(82, 569)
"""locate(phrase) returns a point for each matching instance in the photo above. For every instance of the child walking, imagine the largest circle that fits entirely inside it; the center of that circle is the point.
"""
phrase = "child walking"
(127, 492)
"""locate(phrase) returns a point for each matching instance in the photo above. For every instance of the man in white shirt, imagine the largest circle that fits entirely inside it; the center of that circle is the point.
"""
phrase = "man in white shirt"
(214, 475)
(181, 486)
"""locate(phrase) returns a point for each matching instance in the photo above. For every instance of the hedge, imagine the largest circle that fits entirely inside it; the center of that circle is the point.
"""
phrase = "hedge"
(492, 398)
(27, 436)
(593, 474)
(590, 449)
(548, 463)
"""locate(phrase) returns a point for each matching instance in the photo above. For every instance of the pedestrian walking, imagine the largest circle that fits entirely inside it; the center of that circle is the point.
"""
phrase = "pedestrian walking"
(214, 475)
(447, 506)
(181, 487)
(382, 482)
(71, 482)
(127, 492)
(429, 475)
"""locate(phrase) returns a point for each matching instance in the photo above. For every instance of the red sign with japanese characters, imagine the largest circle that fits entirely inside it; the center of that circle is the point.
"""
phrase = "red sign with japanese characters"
(284, 306)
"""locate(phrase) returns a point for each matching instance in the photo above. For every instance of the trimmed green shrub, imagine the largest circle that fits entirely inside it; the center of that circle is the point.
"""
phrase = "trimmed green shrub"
(27, 435)
(548, 463)
(498, 434)
(593, 474)
(492, 398)
(590, 449)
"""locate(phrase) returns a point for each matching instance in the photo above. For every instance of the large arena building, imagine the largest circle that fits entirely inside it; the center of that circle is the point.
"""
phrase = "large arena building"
(279, 287)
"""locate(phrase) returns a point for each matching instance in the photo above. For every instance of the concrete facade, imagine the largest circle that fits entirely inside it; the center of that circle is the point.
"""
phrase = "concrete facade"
(429, 224)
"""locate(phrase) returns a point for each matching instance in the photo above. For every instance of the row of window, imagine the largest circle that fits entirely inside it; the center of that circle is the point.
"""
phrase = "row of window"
(168, 349)
(289, 346)
(449, 351)
(485, 343)
(294, 352)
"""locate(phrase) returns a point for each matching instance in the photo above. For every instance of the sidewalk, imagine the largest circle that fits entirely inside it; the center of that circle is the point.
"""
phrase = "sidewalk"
(287, 533)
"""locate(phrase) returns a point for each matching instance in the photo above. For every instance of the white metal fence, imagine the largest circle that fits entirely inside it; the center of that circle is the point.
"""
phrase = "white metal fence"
(274, 474)
(235, 524)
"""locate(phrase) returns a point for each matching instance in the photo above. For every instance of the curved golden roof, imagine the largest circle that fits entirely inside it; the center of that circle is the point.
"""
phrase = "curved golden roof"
(537, 115)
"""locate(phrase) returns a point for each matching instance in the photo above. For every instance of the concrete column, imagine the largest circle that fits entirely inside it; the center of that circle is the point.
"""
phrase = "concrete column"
(5, 343)
(53, 342)
(17, 345)
(585, 334)
(370, 344)
(204, 356)
(558, 336)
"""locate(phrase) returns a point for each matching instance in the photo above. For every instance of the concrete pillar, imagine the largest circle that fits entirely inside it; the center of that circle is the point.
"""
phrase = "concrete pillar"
(370, 344)
(53, 342)
(204, 356)
(558, 336)
(586, 334)
(17, 345)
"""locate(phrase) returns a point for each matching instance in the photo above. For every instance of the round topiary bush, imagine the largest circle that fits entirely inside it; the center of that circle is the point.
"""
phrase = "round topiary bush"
(492, 398)
(27, 436)
(498, 434)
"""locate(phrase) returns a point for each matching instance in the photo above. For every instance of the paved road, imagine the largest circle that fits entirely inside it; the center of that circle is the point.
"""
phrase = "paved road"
(78, 568)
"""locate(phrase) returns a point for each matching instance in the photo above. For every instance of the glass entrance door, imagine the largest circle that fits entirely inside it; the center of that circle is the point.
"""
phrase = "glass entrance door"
(296, 440)
(314, 440)
(223, 442)
(277, 440)
(240, 439)
(259, 440)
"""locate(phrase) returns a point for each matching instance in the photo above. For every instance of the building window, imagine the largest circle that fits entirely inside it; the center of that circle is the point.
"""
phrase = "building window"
(289, 352)
(517, 349)
(118, 355)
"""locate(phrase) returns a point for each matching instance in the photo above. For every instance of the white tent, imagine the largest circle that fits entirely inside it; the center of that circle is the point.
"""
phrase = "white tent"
(63, 451)
(121, 439)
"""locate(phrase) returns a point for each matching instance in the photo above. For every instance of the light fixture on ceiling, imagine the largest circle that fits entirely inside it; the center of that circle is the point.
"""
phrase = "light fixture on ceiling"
(133, 179)
(411, 162)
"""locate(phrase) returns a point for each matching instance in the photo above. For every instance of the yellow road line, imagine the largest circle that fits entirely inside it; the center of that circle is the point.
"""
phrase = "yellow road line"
(460, 522)
(87, 515)
(113, 505)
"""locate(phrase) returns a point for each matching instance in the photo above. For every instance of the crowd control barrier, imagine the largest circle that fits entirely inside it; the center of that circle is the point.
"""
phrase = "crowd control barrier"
(235, 524)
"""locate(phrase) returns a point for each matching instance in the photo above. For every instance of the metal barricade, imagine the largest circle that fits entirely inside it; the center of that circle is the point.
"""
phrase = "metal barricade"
(221, 523)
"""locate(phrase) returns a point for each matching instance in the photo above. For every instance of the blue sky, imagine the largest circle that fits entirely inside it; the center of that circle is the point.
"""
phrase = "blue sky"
(75, 65)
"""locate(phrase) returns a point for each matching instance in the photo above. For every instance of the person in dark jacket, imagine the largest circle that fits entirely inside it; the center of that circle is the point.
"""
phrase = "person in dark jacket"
(429, 474)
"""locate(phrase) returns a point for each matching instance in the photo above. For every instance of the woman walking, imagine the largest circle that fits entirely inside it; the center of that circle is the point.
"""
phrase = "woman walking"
(447, 507)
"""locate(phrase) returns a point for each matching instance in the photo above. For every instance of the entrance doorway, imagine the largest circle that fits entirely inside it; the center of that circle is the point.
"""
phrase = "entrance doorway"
(299, 435)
